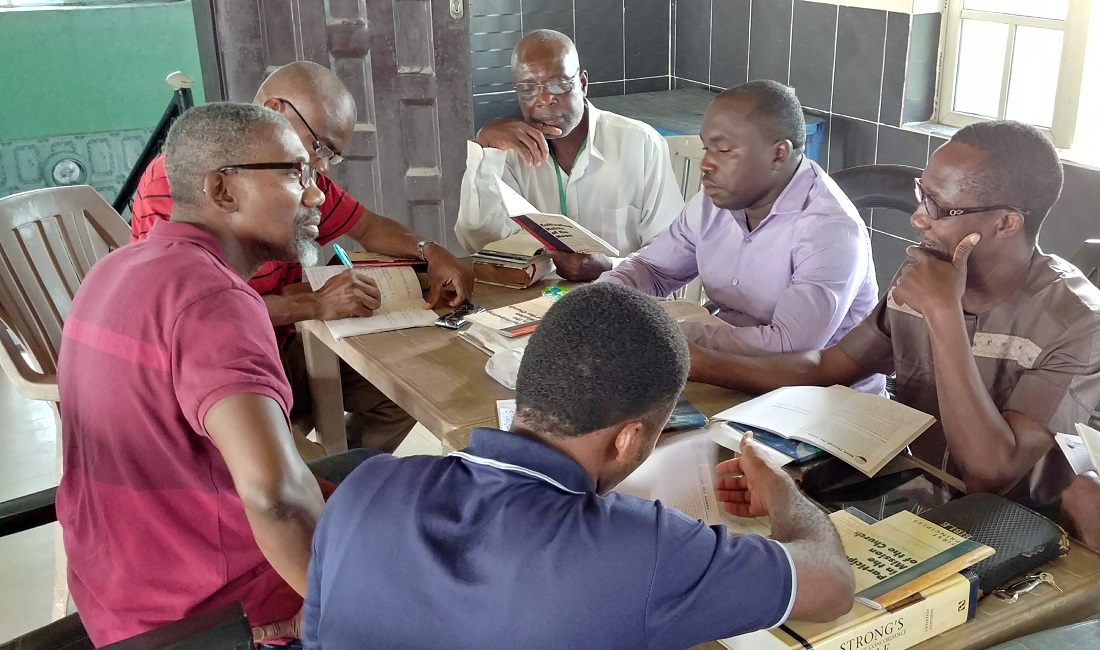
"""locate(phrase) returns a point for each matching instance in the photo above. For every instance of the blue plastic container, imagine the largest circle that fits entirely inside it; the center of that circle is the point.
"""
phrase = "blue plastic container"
(815, 138)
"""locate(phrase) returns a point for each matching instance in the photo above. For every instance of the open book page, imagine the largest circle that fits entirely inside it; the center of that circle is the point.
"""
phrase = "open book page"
(1091, 438)
(866, 431)
(402, 301)
(681, 475)
(784, 411)
(1075, 451)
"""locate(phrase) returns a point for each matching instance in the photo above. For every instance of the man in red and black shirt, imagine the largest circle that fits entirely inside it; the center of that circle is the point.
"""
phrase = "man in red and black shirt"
(323, 114)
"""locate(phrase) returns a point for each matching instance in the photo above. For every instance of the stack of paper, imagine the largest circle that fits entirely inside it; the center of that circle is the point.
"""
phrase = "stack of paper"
(402, 301)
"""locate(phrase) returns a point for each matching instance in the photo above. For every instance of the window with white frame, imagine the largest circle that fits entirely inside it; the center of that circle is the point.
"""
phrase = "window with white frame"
(1015, 59)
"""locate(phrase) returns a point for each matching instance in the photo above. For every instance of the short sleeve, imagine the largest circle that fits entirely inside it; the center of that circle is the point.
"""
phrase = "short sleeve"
(1063, 387)
(869, 343)
(152, 202)
(339, 212)
(708, 585)
(222, 345)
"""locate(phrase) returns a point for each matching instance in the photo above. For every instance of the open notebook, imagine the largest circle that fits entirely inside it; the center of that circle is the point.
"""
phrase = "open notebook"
(402, 301)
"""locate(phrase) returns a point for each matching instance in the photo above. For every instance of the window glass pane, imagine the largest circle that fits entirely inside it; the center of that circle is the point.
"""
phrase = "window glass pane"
(981, 62)
(1033, 83)
(1057, 9)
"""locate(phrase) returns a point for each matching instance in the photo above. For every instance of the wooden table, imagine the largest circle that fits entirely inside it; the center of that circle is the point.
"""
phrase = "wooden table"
(441, 381)
(436, 377)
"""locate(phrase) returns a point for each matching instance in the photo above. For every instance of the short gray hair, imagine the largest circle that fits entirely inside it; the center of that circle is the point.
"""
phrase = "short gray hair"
(207, 138)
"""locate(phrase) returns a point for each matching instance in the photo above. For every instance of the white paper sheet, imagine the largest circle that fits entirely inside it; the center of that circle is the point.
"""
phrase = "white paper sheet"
(402, 301)
(506, 412)
(1076, 452)
(681, 475)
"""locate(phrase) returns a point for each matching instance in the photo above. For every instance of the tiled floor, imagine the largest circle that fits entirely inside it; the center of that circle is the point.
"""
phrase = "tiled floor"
(27, 452)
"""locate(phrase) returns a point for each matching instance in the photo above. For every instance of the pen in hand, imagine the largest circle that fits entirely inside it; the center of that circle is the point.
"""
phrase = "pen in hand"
(342, 255)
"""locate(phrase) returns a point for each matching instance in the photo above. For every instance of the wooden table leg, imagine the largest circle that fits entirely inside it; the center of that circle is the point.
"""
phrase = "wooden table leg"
(328, 400)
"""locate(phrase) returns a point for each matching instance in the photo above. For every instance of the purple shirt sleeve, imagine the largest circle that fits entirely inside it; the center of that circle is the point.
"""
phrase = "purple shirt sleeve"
(810, 310)
(698, 591)
(665, 265)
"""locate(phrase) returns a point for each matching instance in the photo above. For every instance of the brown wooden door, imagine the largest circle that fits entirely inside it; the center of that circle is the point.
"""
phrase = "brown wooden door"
(407, 62)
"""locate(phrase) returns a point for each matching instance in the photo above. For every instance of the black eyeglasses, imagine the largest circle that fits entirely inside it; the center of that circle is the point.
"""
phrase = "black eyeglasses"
(323, 151)
(936, 211)
(307, 175)
(529, 90)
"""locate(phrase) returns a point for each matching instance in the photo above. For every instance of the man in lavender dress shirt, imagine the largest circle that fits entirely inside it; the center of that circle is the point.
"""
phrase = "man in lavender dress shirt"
(780, 249)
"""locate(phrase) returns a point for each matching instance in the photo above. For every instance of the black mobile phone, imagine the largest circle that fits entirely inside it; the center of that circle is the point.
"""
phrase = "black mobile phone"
(457, 318)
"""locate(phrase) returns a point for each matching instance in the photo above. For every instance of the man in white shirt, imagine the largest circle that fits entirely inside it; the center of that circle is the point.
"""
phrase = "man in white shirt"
(609, 173)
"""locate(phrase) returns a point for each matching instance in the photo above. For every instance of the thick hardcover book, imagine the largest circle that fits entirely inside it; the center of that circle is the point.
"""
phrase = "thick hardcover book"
(865, 431)
(942, 606)
(513, 277)
(1024, 539)
(901, 555)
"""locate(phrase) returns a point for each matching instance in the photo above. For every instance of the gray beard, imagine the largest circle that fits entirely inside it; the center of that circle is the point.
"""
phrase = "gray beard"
(307, 251)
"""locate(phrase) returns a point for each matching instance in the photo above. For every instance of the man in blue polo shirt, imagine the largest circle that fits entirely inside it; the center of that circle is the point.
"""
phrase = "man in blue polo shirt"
(517, 542)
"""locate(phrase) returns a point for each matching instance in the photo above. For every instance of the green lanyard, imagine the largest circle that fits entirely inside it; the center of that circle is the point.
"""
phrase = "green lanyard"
(557, 170)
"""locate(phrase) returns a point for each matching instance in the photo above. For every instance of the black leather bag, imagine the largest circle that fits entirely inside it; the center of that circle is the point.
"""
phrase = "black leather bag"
(1024, 539)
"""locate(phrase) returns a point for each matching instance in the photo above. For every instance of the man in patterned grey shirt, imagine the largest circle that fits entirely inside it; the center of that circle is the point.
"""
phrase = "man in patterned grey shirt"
(997, 340)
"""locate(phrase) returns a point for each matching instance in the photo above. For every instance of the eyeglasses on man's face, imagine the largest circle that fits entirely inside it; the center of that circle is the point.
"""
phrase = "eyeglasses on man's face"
(323, 151)
(936, 211)
(307, 175)
(530, 90)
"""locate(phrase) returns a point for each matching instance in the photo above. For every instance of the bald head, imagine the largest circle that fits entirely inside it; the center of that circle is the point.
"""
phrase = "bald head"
(207, 138)
(312, 84)
(543, 45)
(318, 105)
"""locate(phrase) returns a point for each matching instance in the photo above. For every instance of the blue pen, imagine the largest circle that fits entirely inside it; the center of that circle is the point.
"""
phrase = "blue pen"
(342, 255)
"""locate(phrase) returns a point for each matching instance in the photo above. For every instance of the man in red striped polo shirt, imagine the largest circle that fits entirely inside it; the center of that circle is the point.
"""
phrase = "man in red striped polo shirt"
(182, 490)
(322, 112)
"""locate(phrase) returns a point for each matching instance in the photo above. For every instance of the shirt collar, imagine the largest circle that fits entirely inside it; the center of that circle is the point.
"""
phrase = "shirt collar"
(594, 115)
(521, 454)
(180, 232)
(793, 198)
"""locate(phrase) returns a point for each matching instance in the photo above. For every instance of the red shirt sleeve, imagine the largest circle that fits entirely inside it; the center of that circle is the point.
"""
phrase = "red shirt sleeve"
(339, 212)
(153, 201)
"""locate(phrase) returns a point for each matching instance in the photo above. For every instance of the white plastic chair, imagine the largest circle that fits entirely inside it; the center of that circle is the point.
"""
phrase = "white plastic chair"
(687, 152)
(49, 240)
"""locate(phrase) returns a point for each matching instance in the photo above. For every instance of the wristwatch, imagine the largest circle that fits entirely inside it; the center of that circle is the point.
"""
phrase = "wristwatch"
(421, 245)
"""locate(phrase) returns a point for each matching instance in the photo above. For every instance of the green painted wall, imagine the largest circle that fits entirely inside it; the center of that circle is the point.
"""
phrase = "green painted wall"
(88, 70)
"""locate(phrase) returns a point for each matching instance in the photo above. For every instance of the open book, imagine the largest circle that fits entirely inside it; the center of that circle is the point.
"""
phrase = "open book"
(554, 231)
(402, 301)
(1081, 450)
(680, 474)
(865, 431)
